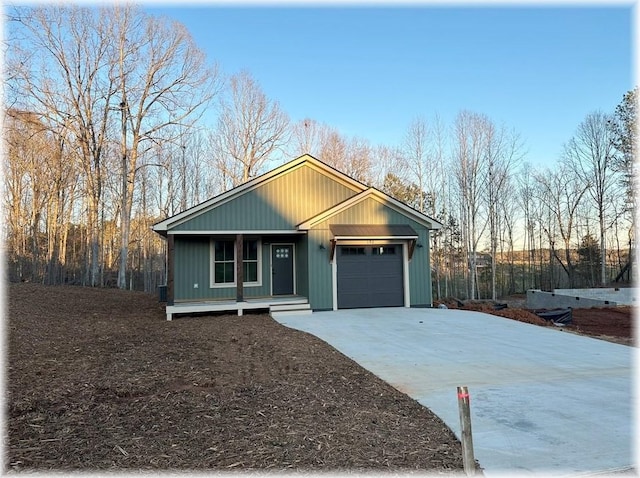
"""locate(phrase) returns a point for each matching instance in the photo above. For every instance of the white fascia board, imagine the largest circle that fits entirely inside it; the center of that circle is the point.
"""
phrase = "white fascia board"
(209, 204)
(250, 232)
(423, 219)
(309, 223)
(159, 227)
(252, 184)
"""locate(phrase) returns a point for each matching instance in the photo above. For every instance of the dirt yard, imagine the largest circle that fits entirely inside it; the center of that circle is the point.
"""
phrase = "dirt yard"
(98, 380)
(614, 324)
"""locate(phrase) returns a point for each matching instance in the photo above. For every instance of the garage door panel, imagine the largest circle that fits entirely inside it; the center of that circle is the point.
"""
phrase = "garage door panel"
(370, 277)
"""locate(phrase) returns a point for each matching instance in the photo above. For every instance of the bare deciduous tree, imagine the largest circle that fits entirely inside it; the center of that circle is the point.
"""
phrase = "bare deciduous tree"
(525, 199)
(89, 72)
(472, 136)
(386, 160)
(251, 129)
(502, 155)
(590, 155)
(424, 157)
(68, 79)
(306, 138)
(164, 81)
(418, 157)
(560, 192)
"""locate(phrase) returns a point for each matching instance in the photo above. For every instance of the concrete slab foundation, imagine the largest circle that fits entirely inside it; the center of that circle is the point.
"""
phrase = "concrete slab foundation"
(581, 298)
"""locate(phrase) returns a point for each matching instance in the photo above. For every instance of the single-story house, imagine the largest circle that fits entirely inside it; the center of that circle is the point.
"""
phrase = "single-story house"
(302, 236)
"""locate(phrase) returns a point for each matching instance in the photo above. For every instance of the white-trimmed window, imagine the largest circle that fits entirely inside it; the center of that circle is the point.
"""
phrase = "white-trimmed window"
(223, 262)
(250, 261)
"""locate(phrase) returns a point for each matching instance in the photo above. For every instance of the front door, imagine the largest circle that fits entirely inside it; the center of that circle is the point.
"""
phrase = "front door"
(282, 269)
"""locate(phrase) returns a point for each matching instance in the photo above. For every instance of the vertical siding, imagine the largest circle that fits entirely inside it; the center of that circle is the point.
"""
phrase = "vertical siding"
(302, 266)
(419, 271)
(367, 212)
(192, 266)
(320, 280)
(280, 203)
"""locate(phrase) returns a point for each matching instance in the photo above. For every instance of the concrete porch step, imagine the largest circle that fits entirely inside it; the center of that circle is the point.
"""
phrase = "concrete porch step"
(290, 309)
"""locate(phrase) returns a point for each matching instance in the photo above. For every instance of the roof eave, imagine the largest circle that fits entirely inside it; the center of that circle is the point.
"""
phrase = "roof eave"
(186, 215)
(426, 221)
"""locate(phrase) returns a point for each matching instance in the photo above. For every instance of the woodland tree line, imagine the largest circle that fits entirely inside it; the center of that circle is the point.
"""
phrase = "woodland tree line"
(105, 135)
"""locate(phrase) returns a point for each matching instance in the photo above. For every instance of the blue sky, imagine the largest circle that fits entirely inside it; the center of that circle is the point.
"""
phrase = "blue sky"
(369, 70)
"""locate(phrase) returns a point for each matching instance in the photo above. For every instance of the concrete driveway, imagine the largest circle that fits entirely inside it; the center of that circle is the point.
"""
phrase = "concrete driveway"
(543, 401)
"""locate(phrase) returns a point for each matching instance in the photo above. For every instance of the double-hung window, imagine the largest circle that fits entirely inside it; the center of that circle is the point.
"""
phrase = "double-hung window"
(250, 261)
(224, 264)
(223, 267)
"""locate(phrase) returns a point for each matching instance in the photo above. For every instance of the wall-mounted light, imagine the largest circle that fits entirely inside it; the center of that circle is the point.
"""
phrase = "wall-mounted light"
(322, 248)
(418, 245)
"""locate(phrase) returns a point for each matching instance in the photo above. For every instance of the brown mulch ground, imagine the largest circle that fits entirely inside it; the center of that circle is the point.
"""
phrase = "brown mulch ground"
(98, 380)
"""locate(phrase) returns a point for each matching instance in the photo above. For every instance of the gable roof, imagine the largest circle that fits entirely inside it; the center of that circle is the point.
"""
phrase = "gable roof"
(372, 193)
(363, 192)
(163, 226)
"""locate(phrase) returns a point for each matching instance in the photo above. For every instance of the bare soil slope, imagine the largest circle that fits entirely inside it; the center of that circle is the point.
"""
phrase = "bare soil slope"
(98, 380)
(614, 324)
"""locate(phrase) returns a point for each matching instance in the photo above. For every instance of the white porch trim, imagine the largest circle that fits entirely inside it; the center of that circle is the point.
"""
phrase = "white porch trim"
(231, 305)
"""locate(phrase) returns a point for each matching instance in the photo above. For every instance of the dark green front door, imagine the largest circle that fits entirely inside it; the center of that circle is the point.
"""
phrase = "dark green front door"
(282, 269)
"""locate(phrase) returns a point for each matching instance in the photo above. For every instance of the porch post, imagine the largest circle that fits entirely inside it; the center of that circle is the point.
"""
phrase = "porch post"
(239, 269)
(170, 267)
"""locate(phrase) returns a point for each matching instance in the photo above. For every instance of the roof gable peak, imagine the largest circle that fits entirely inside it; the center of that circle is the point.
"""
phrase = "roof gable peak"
(304, 160)
(378, 195)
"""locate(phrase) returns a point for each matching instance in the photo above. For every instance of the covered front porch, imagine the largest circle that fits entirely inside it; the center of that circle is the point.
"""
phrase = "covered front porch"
(280, 305)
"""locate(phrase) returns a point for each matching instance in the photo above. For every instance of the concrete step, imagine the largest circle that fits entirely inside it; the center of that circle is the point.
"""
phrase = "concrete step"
(290, 309)
(284, 313)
